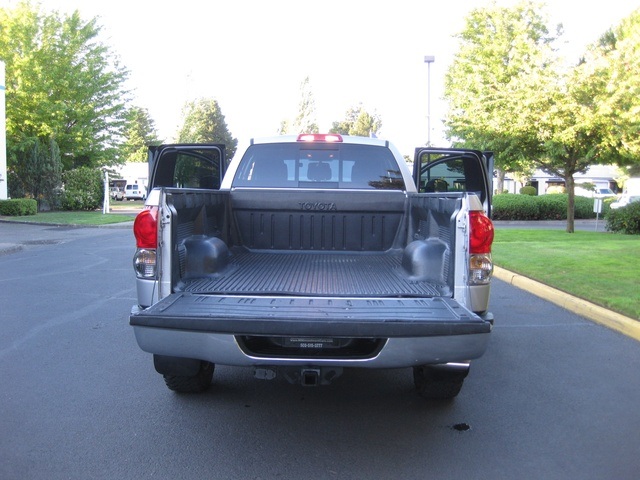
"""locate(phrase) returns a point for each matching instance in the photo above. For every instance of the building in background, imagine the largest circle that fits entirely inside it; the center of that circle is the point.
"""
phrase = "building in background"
(600, 176)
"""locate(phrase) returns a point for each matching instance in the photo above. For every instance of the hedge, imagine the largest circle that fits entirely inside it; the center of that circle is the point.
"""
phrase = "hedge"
(17, 207)
(509, 206)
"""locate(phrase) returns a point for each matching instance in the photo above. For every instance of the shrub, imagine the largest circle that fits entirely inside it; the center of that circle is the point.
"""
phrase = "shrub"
(625, 219)
(507, 206)
(83, 189)
(583, 207)
(18, 207)
(552, 206)
(529, 190)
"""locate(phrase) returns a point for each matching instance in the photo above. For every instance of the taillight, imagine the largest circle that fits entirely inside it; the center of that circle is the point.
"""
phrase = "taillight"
(481, 236)
(480, 239)
(145, 229)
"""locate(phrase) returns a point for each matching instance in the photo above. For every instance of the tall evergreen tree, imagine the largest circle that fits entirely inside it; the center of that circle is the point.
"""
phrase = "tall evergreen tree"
(305, 120)
(139, 133)
(39, 172)
(203, 122)
(358, 122)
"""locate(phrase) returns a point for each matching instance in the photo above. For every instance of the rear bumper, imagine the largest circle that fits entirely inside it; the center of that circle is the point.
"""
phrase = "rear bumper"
(223, 349)
(411, 331)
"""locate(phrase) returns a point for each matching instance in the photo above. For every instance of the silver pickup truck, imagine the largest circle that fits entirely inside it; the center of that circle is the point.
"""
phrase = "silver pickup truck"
(309, 254)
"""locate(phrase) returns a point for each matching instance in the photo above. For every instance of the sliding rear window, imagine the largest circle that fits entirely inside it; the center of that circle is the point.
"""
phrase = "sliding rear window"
(313, 165)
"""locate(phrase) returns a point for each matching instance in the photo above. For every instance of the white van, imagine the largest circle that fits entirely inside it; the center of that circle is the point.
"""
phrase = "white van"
(133, 191)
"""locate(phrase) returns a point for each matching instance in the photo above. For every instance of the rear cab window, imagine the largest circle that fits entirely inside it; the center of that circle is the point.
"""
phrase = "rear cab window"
(319, 165)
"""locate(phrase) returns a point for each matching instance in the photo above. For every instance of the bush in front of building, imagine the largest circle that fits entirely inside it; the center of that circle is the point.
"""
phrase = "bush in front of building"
(17, 207)
(625, 219)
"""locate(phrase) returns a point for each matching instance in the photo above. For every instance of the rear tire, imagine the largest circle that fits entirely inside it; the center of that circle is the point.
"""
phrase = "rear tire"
(437, 383)
(197, 383)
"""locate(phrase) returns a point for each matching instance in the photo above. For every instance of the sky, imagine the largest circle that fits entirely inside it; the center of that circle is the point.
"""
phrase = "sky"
(253, 55)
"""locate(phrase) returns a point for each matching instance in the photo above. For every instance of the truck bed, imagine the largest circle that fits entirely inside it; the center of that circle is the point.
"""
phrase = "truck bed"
(368, 274)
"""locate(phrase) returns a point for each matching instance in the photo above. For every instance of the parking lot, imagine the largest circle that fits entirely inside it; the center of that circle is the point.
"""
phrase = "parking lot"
(555, 396)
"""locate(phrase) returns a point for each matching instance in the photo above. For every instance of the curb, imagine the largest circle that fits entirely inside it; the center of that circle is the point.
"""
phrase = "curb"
(600, 315)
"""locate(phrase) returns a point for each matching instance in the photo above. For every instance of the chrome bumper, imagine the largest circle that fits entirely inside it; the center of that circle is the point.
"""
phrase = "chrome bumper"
(398, 352)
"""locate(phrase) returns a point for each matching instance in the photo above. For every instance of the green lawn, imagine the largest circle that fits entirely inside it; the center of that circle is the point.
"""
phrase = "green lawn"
(602, 268)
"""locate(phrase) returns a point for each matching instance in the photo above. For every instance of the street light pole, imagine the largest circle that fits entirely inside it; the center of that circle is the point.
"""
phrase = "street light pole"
(429, 59)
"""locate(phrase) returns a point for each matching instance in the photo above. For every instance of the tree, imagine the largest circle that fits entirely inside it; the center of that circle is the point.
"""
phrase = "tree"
(589, 113)
(61, 83)
(498, 45)
(139, 133)
(305, 121)
(611, 68)
(203, 122)
(358, 122)
(510, 93)
(38, 173)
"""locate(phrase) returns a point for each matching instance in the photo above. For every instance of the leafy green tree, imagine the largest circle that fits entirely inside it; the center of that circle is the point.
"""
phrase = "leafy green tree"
(611, 71)
(358, 122)
(203, 122)
(305, 121)
(139, 132)
(585, 115)
(510, 93)
(498, 45)
(61, 83)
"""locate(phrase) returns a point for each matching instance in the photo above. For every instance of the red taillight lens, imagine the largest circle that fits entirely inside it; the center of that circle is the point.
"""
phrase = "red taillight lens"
(319, 137)
(481, 236)
(145, 228)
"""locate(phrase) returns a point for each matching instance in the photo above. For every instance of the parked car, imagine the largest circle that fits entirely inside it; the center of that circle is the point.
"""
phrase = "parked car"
(625, 200)
(604, 193)
(117, 193)
(133, 191)
(598, 192)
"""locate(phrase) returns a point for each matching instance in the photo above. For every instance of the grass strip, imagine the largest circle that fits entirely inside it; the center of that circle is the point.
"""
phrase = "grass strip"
(599, 267)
